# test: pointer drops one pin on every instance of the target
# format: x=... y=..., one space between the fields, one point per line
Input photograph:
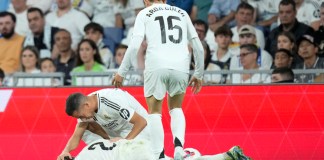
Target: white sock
x=157 y=134
x=178 y=127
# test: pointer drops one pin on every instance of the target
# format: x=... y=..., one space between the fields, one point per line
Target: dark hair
x=94 y=26
x=34 y=9
x=2 y=75
x=121 y=46
x=285 y=51
x=36 y=53
x=251 y=47
x=286 y=73
x=73 y=102
x=41 y=61
x=223 y=30
x=93 y=45
x=288 y=2
x=245 y=5
x=201 y=22
x=291 y=38
x=5 y=13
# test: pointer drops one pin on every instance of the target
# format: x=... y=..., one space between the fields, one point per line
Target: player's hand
x=64 y=154
x=117 y=81
x=196 y=84
x=115 y=139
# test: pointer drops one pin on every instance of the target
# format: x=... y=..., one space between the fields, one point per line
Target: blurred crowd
x=70 y=36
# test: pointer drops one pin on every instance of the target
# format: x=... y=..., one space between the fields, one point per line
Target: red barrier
x=268 y=122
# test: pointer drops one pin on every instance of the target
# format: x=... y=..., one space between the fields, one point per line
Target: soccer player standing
x=167 y=30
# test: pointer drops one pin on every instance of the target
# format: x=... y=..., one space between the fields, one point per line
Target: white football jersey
x=115 y=109
x=120 y=150
x=167 y=30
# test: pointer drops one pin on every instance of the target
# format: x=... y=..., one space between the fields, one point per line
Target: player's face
x=84 y=112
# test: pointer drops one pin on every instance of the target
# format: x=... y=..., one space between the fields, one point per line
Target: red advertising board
x=268 y=122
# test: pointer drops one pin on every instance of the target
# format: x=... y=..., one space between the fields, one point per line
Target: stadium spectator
x=266 y=14
x=282 y=75
x=286 y=40
x=95 y=32
x=318 y=26
x=164 y=69
x=307 y=49
x=29 y=60
x=41 y=35
x=68 y=18
x=200 y=10
x=289 y=23
x=222 y=12
x=119 y=54
x=248 y=59
x=10 y=44
x=283 y=58
x=201 y=28
x=47 y=65
x=88 y=58
x=126 y=12
x=102 y=10
x=247 y=35
x=244 y=16
x=66 y=56
x=19 y=9
x=44 y=5
x=221 y=57
x=305 y=12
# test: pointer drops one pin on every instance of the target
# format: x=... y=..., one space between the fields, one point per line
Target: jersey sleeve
x=192 y=33
x=139 y=26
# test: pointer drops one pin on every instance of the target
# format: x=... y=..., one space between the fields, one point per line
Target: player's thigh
x=155 y=83
x=177 y=83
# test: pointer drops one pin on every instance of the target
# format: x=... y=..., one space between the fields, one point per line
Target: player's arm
x=74 y=140
x=139 y=124
x=132 y=50
x=94 y=127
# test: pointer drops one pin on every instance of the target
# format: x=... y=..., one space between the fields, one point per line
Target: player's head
x=191 y=153
x=78 y=106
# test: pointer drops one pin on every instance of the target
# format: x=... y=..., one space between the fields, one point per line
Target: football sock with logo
x=157 y=134
x=178 y=126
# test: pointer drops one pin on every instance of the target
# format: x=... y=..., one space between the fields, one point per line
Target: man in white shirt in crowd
x=68 y=18
x=244 y=16
x=247 y=35
x=167 y=30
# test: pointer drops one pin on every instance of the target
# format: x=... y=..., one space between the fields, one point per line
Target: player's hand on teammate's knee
x=117 y=81
x=64 y=154
x=115 y=139
x=196 y=85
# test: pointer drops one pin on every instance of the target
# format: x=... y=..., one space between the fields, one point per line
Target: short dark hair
x=5 y=13
x=223 y=30
x=34 y=9
x=46 y=59
x=288 y=2
x=284 y=51
x=245 y=5
x=252 y=48
x=286 y=73
x=73 y=102
x=201 y=22
x=2 y=74
x=94 y=26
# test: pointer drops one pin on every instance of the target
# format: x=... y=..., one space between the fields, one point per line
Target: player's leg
x=177 y=85
x=235 y=153
x=154 y=91
x=155 y=126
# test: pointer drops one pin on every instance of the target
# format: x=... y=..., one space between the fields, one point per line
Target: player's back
x=167 y=30
x=99 y=150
